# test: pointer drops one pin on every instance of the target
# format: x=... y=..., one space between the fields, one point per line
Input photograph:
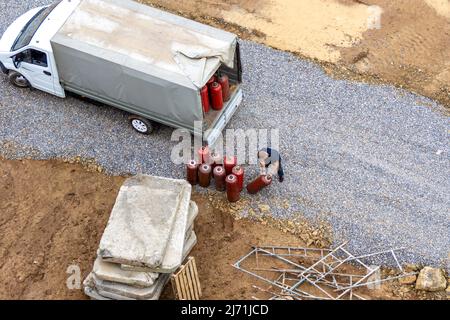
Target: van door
x=35 y=66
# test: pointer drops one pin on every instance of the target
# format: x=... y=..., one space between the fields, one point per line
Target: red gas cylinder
x=229 y=163
x=203 y=155
x=219 y=178
x=215 y=159
x=238 y=171
x=215 y=92
x=205 y=98
x=259 y=183
x=233 y=193
x=192 y=172
x=204 y=175
x=211 y=81
x=225 y=84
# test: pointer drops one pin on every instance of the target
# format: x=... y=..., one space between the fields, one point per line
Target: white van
x=145 y=61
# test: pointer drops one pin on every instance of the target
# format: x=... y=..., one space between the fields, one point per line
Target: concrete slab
x=189 y=245
x=173 y=257
x=113 y=296
x=148 y=219
x=119 y=291
x=188 y=233
x=174 y=252
x=93 y=294
x=88 y=282
x=112 y=272
x=193 y=213
x=89 y=289
x=99 y=289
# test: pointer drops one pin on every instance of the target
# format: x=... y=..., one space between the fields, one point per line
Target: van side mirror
x=17 y=59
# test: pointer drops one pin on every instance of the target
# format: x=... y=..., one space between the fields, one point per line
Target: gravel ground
x=371 y=160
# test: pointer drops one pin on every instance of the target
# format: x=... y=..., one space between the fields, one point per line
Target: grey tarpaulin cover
x=116 y=48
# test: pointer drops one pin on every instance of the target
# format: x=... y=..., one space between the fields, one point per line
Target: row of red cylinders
x=227 y=175
x=215 y=93
x=227 y=169
x=224 y=180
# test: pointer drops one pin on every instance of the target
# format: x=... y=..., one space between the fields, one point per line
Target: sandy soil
x=52 y=215
x=441 y=6
x=403 y=42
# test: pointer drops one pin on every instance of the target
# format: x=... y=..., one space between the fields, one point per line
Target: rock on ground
x=408 y=280
x=431 y=279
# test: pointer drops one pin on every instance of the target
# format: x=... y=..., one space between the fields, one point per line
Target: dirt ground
x=402 y=42
x=52 y=215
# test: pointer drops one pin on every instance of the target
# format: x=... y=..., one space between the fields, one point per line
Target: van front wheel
x=18 y=80
x=141 y=125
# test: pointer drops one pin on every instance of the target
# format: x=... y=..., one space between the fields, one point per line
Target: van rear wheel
x=141 y=125
x=18 y=80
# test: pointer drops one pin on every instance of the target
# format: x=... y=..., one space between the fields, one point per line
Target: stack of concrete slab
x=149 y=234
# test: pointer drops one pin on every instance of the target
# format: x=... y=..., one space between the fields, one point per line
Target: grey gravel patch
x=372 y=160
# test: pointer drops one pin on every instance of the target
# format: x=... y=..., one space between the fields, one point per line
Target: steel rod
x=358 y=282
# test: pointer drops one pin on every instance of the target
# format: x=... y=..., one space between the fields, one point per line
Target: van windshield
x=31 y=27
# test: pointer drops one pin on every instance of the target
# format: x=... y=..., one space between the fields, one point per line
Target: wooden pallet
x=185 y=282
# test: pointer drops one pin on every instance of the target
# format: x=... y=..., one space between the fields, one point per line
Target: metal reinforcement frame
x=315 y=273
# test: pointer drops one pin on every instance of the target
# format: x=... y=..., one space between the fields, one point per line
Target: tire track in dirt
x=407 y=50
